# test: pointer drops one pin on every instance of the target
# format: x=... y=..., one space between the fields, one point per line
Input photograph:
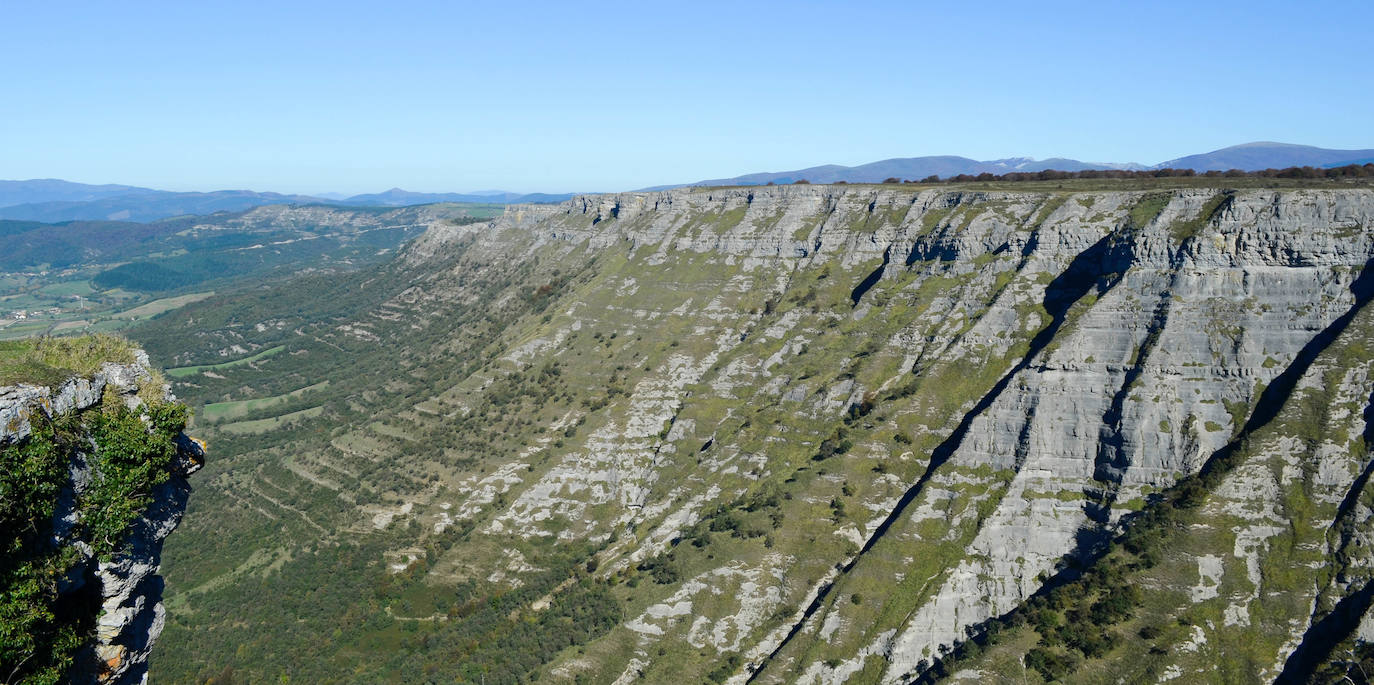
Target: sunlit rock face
x=125 y=591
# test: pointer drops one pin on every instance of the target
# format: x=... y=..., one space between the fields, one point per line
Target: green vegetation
x=301 y=363
x=220 y=412
x=50 y=361
x=40 y=630
x=162 y=306
x=126 y=464
x=183 y=371
x=271 y=423
x=1147 y=208
x=462 y=636
x=37 y=636
x=1183 y=230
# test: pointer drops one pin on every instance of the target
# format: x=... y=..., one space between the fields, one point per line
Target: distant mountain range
x=52 y=200
x=1254 y=156
x=1247 y=157
x=401 y=198
x=139 y=204
x=53 y=190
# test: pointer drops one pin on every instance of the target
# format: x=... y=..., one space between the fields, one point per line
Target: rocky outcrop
x=126 y=589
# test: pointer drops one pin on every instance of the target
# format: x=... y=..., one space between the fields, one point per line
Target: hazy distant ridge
x=148 y=205
x=1247 y=157
x=1255 y=156
x=397 y=197
x=55 y=190
x=53 y=200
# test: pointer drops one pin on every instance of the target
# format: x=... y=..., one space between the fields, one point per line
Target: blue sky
x=452 y=96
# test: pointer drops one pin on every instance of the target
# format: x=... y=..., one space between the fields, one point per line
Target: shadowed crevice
x=872 y=279
x=1322 y=637
x=1352 y=495
x=921 y=249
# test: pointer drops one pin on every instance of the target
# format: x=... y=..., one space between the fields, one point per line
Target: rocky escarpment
x=829 y=434
x=1124 y=338
x=87 y=575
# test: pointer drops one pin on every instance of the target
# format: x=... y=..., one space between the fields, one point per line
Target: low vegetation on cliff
x=50 y=361
x=69 y=491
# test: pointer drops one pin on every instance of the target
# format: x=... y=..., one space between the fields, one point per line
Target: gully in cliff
x=93 y=467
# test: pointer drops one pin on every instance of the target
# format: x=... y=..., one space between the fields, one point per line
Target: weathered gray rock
x=131 y=613
x=1136 y=389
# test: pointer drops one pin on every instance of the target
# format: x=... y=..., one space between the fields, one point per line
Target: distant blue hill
x=1265 y=155
x=54 y=190
x=148 y=206
x=52 y=200
x=1247 y=157
x=397 y=198
x=910 y=168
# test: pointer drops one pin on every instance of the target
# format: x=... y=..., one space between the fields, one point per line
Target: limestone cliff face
x=127 y=588
x=1129 y=334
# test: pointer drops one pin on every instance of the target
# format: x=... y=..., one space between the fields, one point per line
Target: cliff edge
x=92 y=480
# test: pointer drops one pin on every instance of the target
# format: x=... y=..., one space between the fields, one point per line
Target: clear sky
x=565 y=96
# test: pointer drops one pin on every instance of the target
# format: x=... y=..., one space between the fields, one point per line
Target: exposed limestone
x=1137 y=387
x=131 y=615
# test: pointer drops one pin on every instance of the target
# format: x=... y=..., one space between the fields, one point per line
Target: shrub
x=1050 y=665
x=727 y=666
x=661 y=569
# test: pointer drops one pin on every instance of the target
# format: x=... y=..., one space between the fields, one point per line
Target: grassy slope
x=51 y=361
